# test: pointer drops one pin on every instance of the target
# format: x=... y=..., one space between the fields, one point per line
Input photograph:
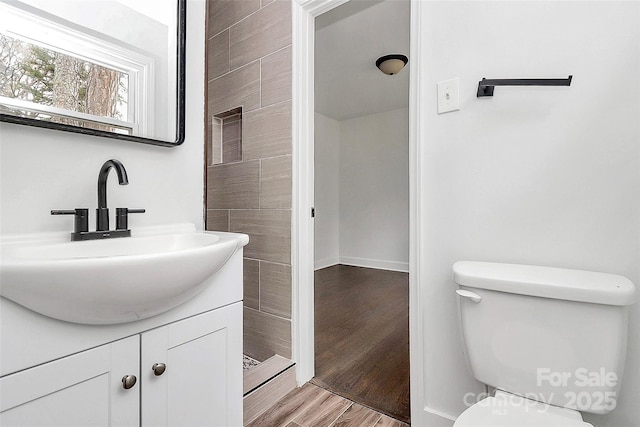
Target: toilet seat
x=509 y=410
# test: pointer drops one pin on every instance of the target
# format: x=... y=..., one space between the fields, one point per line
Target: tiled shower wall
x=249 y=66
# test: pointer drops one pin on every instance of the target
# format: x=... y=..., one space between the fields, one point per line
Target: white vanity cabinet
x=187 y=360
x=188 y=373
x=83 y=389
x=202 y=383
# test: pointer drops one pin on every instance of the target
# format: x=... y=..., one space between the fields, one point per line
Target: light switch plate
x=448 y=96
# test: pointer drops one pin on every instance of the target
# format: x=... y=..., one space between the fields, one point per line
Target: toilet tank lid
x=546 y=282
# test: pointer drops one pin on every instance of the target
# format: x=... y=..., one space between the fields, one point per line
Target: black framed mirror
x=109 y=68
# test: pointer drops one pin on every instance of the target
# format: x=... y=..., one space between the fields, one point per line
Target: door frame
x=304 y=13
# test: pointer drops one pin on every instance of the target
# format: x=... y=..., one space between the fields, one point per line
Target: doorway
x=362 y=337
x=361 y=192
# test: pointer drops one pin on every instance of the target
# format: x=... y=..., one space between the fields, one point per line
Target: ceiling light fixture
x=391 y=64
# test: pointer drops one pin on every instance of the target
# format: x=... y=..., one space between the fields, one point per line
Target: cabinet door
x=82 y=390
x=202 y=383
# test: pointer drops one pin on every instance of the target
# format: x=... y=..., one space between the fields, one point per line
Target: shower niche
x=226 y=137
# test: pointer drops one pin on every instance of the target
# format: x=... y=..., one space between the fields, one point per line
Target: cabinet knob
x=158 y=369
x=128 y=381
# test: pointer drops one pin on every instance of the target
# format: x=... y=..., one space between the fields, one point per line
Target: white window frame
x=40 y=31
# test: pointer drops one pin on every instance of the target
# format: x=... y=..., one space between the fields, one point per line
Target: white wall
x=374 y=190
x=326 y=182
x=45 y=169
x=362 y=191
x=547 y=176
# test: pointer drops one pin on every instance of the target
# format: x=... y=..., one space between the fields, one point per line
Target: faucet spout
x=102 y=217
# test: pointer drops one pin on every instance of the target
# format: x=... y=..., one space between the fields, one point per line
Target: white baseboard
x=375 y=263
x=327 y=262
x=363 y=262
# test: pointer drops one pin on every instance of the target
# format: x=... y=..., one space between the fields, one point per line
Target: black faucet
x=80 y=230
x=102 y=213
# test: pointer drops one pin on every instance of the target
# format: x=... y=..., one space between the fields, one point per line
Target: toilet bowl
x=509 y=410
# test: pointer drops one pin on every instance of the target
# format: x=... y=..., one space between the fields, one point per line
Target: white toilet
x=552 y=342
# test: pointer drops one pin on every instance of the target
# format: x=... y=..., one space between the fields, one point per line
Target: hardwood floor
x=362 y=337
x=311 y=405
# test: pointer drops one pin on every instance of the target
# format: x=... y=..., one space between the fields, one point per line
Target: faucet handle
x=122 y=217
x=81 y=220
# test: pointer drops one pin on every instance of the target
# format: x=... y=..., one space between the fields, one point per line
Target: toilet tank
x=552 y=335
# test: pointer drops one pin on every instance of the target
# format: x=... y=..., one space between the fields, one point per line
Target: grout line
x=260 y=80
x=277 y=51
x=249 y=15
x=260 y=185
x=275 y=157
x=275 y=104
x=237 y=22
x=233 y=71
x=268 y=262
x=232 y=163
x=290 y=45
x=251 y=160
x=258 y=209
x=268 y=314
x=219 y=32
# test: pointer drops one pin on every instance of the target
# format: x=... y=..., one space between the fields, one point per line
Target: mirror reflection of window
x=38 y=76
x=58 y=71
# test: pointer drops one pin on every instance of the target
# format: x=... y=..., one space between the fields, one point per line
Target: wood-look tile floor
x=362 y=337
x=311 y=405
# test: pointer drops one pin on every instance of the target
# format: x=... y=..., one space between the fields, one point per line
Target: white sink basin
x=114 y=280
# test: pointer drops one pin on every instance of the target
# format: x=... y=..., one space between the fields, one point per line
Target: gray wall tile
x=251 y=283
x=269 y=233
x=267 y=132
x=275 y=289
x=276 y=77
x=275 y=183
x=266 y=335
x=224 y=13
x=249 y=66
x=218 y=55
x=239 y=88
x=217 y=220
x=234 y=185
x=260 y=34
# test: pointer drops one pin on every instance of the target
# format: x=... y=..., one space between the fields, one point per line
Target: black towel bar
x=486 y=86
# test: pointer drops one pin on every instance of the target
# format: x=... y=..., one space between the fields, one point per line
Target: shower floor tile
x=248 y=363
